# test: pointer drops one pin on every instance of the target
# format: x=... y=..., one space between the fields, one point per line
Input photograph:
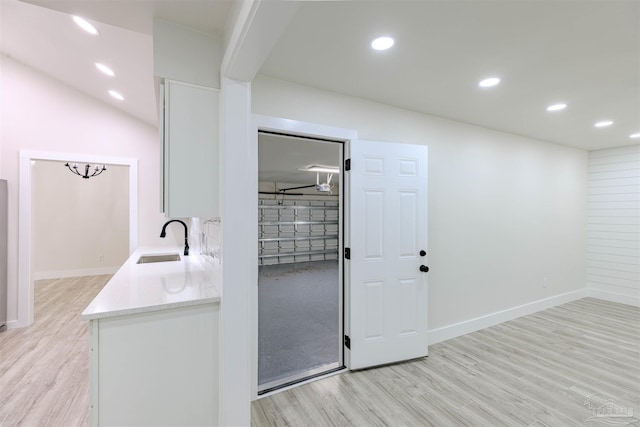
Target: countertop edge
x=148 y=309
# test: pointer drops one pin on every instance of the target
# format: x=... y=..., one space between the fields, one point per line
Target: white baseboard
x=633 y=300
x=74 y=273
x=13 y=324
x=462 y=328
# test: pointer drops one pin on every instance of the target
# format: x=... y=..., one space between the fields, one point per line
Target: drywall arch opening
x=25 y=209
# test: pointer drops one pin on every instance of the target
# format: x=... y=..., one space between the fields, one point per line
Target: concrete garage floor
x=298 y=318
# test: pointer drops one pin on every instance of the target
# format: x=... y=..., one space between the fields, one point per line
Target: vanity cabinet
x=155 y=368
x=153 y=343
x=190 y=159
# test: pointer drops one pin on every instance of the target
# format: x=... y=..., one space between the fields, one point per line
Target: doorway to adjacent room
x=300 y=286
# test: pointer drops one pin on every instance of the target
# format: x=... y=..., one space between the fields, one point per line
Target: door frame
x=25 y=274
x=304 y=129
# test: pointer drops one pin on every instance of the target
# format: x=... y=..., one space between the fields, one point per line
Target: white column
x=239 y=190
x=255 y=28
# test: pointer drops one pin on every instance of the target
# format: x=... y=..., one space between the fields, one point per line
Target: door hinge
x=347 y=165
x=347 y=342
x=347 y=253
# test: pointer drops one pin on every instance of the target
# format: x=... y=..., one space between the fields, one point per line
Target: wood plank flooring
x=534 y=371
x=44 y=378
x=538 y=370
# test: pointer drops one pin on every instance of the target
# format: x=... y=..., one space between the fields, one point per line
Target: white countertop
x=139 y=288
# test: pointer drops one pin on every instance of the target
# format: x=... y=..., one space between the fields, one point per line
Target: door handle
x=424 y=268
x=423 y=252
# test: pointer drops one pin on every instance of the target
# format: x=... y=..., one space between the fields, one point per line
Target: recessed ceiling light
x=489 y=82
x=382 y=43
x=116 y=95
x=85 y=25
x=108 y=71
x=634 y=135
x=603 y=124
x=556 y=107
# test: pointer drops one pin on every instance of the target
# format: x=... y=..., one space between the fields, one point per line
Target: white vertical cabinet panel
x=613 y=231
x=156 y=368
x=94 y=415
x=191 y=158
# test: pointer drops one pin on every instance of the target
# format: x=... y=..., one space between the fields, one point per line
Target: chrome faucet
x=163 y=233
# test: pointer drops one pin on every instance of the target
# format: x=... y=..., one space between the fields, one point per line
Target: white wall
x=82 y=227
x=504 y=211
x=613 y=236
x=180 y=53
x=39 y=113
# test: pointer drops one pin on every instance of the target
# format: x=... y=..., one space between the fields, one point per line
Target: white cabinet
x=190 y=165
x=155 y=368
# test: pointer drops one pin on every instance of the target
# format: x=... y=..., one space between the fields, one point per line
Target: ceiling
x=584 y=53
x=47 y=39
x=280 y=159
x=50 y=42
x=207 y=16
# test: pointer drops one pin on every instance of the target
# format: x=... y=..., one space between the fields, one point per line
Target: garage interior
x=300 y=273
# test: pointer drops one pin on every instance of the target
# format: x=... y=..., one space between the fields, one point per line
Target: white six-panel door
x=388 y=229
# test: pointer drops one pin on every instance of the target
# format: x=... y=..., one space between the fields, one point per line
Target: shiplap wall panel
x=618 y=183
x=609 y=235
x=624 y=173
x=613 y=224
x=617 y=220
x=620 y=266
x=614 y=243
x=615 y=195
x=614 y=251
x=609 y=167
x=619 y=158
x=629 y=189
x=594 y=213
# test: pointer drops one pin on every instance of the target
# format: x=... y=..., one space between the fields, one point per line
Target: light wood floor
x=534 y=371
x=44 y=377
x=537 y=370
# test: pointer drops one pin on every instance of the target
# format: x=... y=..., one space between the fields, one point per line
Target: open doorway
x=25 y=209
x=81 y=228
x=300 y=286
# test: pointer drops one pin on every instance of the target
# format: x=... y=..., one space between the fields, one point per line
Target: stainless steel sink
x=146 y=259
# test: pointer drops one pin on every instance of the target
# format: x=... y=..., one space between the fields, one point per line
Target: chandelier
x=89 y=170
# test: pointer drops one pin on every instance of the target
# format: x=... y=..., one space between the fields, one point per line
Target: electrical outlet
x=545 y=281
